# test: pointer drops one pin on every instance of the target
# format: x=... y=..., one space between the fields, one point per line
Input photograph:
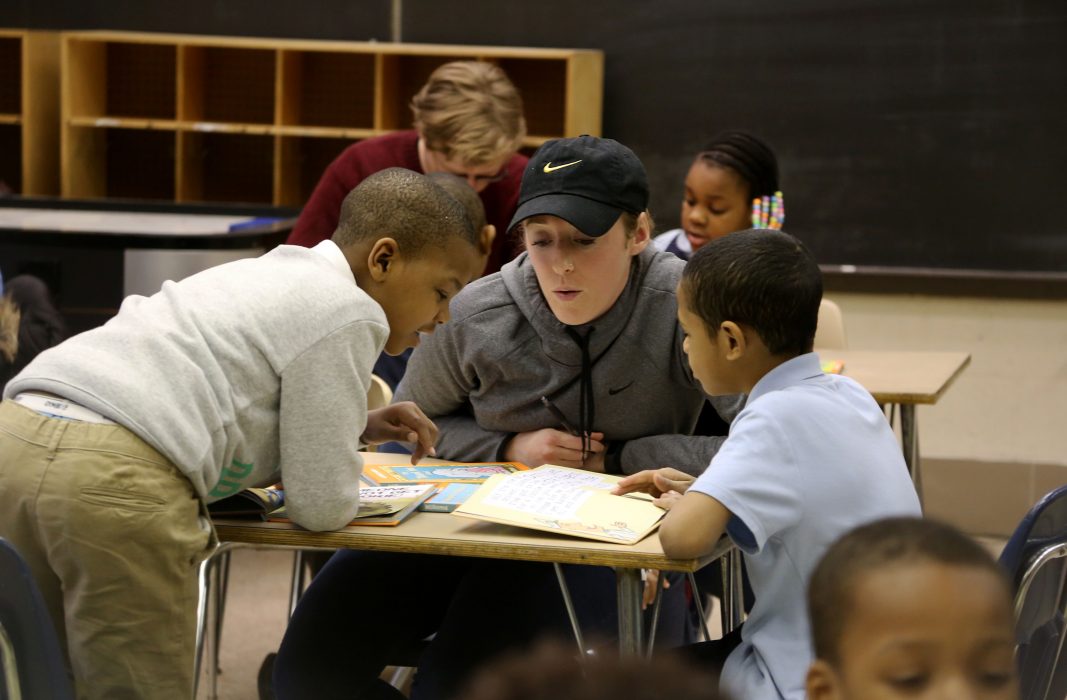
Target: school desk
x=92 y=254
x=450 y=535
x=903 y=379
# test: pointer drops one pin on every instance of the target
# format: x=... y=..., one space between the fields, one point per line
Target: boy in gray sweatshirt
x=112 y=443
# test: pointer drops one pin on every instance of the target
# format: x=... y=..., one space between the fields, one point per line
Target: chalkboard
x=910 y=133
x=917 y=133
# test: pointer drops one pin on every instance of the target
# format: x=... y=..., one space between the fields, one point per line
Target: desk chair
x=830 y=333
x=30 y=657
x=1036 y=560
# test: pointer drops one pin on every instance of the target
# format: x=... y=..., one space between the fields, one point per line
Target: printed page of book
x=567 y=501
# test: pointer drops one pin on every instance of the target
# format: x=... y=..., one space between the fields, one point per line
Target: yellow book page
x=565 y=501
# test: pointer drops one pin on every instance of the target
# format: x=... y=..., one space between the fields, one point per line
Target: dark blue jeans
x=365 y=607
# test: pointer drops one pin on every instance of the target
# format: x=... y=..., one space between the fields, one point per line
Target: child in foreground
x=552 y=670
x=112 y=443
x=809 y=457
x=909 y=608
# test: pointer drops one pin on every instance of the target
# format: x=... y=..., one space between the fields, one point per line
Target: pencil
x=558 y=414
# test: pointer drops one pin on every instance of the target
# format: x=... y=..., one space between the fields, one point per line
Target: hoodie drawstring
x=586 y=403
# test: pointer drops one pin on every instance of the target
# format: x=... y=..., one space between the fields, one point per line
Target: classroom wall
x=997 y=439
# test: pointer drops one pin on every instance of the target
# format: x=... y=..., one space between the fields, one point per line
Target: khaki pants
x=113 y=534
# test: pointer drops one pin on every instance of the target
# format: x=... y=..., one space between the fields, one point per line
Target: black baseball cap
x=587 y=181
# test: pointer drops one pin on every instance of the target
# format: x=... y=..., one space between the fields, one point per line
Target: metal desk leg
x=571 y=614
x=698 y=598
x=628 y=588
x=208 y=613
x=733 y=593
x=909 y=437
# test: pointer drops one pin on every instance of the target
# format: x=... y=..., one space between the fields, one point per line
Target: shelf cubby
x=225 y=167
x=10 y=74
x=258 y=120
x=121 y=163
x=540 y=83
x=118 y=80
x=302 y=161
x=11 y=163
x=228 y=84
x=327 y=89
x=29 y=111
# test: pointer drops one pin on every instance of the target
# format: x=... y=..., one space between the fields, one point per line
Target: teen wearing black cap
x=586 y=317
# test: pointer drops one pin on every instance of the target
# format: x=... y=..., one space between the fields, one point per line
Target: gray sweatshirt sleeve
x=690 y=454
x=438 y=382
x=322 y=415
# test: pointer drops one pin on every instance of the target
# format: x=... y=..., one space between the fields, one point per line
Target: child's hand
x=667 y=500
x=402 y=422
x=651 y=578
x=548 y=446
x=656 y=482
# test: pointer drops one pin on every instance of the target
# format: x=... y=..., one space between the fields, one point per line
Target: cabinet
x=29 y=112
x=199 y=118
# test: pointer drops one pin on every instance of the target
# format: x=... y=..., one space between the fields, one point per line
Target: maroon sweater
x=318 y=220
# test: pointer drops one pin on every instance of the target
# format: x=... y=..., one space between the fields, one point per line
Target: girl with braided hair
x=733 y=170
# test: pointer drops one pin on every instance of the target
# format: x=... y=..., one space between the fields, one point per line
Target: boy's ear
x=822 y=682
x=732 y=338
x=485 y=241
x=382 y=258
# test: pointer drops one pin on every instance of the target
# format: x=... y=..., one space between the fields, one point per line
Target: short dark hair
x=403 y=205
x=464 y=194
x=552 y=671
x=761 y=278
x=875 y=546
x=747 y=155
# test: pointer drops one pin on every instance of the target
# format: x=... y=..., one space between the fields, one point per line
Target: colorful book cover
x=449 y=497
x=446 y=473
x=833 y=366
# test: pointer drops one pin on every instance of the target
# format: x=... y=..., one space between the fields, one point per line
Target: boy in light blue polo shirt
x=810 y=456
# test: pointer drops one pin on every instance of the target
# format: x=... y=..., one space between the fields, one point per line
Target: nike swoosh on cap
x=624 y=387
x=549 y=168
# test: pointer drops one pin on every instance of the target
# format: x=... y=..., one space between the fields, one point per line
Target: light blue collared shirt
x=808 y=458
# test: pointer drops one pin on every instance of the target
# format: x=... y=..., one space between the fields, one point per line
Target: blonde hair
x=9 y=329
x=470 y=110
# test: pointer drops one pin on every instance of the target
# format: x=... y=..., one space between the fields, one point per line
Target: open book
x=567 y=501
x=381 y=505
x=248 y=503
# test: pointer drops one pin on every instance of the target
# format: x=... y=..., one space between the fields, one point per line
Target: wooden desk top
x=444 y=533
x=901 y=377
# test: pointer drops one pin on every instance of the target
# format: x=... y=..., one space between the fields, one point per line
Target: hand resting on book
x=666 y=485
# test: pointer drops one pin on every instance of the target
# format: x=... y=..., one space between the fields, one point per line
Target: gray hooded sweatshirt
x=481 y=376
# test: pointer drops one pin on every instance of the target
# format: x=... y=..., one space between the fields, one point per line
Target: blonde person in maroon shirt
x=468 y=122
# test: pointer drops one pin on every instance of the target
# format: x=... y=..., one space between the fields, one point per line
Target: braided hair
x=747 y=155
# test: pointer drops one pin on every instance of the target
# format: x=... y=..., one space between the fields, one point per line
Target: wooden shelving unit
x=29 y=111
x=198 y=118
